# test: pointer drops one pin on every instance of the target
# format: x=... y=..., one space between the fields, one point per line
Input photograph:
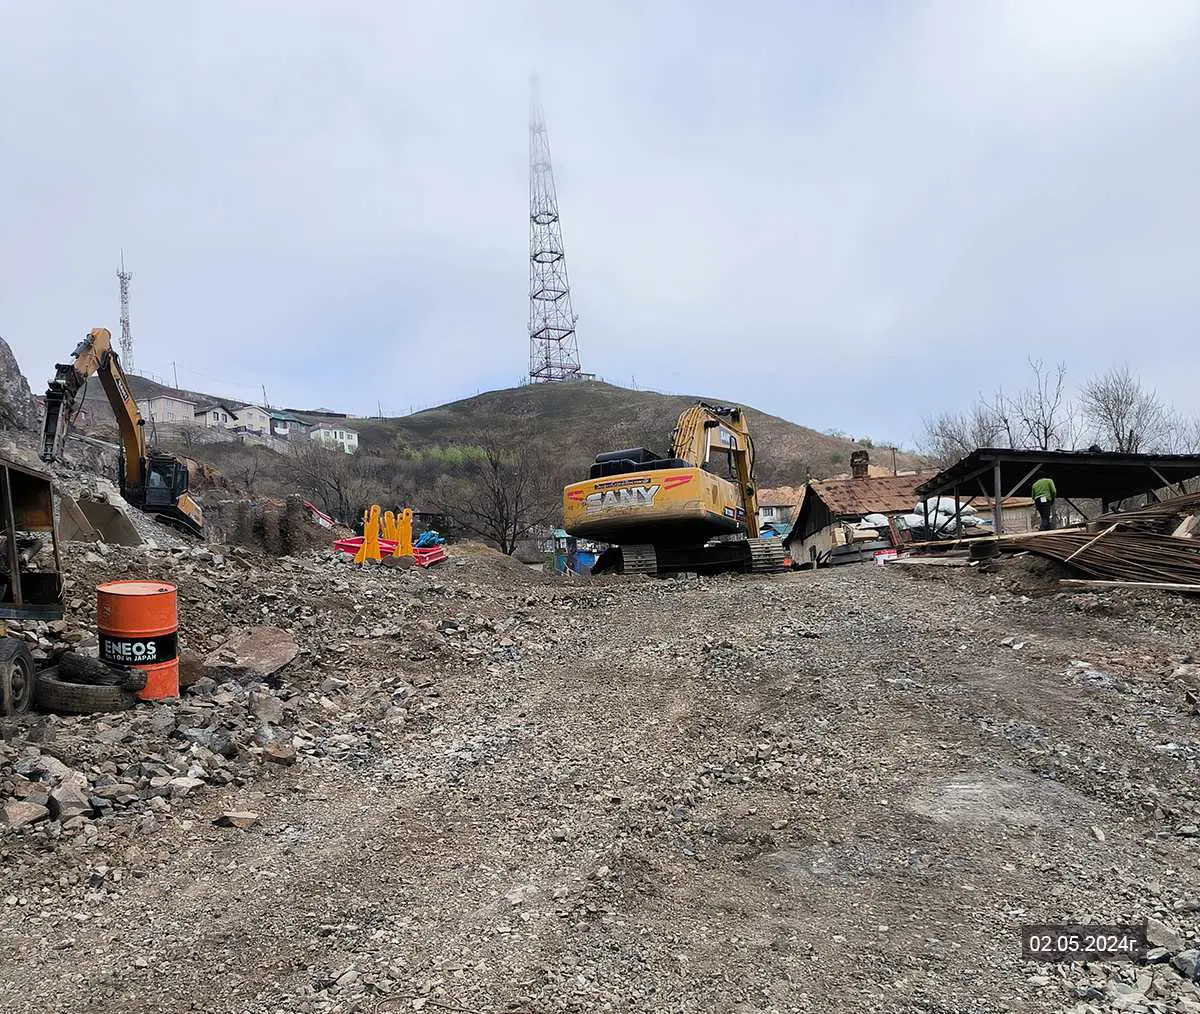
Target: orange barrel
x=138 y=625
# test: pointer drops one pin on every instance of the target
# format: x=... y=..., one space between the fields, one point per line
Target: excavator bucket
x=110 y=523
x=73 y=525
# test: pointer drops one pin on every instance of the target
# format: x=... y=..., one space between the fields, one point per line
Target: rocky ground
x=480 y=789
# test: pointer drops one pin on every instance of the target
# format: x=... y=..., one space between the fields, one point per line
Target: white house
x=270 y=422
x=333 y=435
x=778 y=506
x=166 y=409
x=217 y=416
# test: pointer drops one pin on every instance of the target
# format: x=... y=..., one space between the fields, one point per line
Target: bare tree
x=1041 y=416
x=1123 y=415
x=502 y=494
x=1044 y=414
x=340 y=484
x=1181 y=434
x=245 y=474
x=953 y=435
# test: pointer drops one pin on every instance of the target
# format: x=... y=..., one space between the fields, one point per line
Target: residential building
x=253 y=419
x=778 y=506
x=272 y=422
x=216 y=416
x=165 y=408
x=287 y=425
x=830 y=505
x=335 y=435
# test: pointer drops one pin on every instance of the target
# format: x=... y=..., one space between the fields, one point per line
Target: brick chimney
x=860 y=464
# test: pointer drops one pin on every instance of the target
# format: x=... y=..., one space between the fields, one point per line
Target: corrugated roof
x=280 y=416
x=883 y=494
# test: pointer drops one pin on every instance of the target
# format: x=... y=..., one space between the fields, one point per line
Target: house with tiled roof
x=777 y=506
x=828 y=506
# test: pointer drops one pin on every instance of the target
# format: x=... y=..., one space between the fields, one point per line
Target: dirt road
x=832 y=792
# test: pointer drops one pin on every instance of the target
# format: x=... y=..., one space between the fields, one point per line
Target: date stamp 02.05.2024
x=1056 y=943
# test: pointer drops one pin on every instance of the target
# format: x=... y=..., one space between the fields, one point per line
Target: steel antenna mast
x=553 y=346
x=123 y=277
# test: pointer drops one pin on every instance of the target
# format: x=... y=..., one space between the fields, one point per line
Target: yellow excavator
x=694 y=510
x=155 y=483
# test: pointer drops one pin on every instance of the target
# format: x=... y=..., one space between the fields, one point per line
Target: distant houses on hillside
x=256 y=420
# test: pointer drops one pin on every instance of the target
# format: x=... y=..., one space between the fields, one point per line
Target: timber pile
x=1152 y=545
x=1166 y=517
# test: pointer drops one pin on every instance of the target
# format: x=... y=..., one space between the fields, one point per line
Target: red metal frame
x=422 y=557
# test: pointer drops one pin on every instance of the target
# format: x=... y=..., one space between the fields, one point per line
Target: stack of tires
x=79 y=685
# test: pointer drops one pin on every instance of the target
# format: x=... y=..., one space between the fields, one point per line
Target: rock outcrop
x=18 y=410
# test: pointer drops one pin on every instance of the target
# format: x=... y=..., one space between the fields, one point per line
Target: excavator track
x=767 y=556
x=745 y=556
x=639 y=560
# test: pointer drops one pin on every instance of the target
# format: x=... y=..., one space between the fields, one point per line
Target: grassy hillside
x=585 y=418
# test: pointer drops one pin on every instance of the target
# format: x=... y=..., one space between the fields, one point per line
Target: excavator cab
x=166 y=480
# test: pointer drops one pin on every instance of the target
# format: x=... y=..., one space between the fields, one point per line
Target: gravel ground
x=841 y=791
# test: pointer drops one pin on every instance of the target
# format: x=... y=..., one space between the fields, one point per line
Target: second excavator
x=155 y=483
x=692 y=510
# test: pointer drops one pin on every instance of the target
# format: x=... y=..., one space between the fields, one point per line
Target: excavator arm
x=706 y=432
x=94 y=356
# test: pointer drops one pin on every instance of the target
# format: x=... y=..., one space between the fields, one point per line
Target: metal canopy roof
x=1101 y=475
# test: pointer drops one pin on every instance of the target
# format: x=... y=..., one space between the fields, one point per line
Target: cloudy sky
x=846 y=214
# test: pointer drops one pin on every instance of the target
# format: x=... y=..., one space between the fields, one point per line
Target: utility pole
x=123 y=278
x=175 y=370
x=266 y=404
x=553 y=346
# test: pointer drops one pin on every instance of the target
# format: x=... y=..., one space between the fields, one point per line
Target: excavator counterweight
x=155 y=483
x=692 y=510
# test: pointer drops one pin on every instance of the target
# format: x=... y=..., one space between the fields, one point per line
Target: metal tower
x=553 y=347
x=123 y=277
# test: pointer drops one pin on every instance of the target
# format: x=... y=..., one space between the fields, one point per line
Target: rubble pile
x=259 y=641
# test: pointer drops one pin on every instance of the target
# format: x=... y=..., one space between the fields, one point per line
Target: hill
x=585 y=418
x=578 y=419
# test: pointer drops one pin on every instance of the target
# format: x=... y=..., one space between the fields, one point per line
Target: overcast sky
x=846 y=214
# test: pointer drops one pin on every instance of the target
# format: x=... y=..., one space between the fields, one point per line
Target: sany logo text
x=638 y=496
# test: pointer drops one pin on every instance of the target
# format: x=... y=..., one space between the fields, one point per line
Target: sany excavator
x=695 y=510
x=155 y=483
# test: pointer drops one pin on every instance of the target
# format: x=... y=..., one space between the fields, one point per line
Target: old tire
x=57 y=693
x=80 y=669
x=18 y=677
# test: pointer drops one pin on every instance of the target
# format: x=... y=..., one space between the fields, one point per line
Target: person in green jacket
x=1044 y=495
